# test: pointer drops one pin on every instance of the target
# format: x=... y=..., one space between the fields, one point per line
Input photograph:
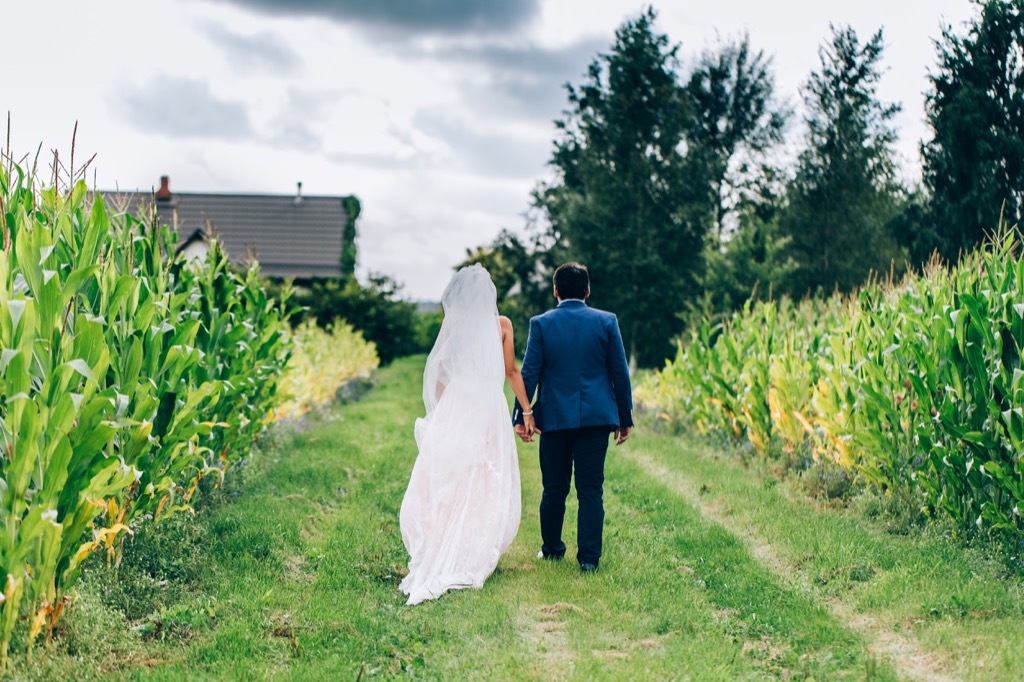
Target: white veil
x=468 y=345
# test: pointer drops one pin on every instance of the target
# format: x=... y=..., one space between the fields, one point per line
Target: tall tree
x=736 y=124
x=974 y=163
x=625 y=200
x=754 y=261
x=844 y=195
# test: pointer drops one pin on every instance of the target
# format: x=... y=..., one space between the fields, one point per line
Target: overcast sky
x=437 y=114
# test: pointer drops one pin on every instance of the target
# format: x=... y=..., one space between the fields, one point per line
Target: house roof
x=290 y=235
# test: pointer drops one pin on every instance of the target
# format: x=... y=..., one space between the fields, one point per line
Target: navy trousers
x=560 y=452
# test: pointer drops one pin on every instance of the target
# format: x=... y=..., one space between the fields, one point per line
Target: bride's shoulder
x=504 y=322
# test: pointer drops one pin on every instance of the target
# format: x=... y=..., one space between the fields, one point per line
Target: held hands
x=527 y=429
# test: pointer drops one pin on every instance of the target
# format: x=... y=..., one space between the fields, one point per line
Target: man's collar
x=571 y=301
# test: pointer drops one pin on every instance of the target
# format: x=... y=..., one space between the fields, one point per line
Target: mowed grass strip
x=957 y=605
x=778 y=626
x=308 y=559
x=306 y=563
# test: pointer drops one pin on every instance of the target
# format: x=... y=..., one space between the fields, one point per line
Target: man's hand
x=622 y=435
x=523 y=433
x=527 y=430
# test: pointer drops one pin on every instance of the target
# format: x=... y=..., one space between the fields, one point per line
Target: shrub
x=321 y=364
x=375 y=309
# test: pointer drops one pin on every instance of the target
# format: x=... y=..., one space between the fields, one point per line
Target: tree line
x=671 y=180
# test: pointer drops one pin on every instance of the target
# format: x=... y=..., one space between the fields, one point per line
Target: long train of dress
x=462 y=508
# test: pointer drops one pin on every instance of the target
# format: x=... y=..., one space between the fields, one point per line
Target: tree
x=736 y=124
x=753 y=262
x=974 y=163
x=913 y=227
x=844 y=195
x=626 y=201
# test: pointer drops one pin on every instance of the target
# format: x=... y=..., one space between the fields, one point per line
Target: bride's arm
x=512 y=374
x=442 y=382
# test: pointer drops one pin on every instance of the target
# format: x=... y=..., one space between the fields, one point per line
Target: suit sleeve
x=533 y=361
x=619 y=372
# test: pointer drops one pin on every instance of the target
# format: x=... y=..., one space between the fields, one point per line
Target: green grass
x=957 y=605
x=709 y=573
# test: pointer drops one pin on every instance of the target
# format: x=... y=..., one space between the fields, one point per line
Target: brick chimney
x=164 y=193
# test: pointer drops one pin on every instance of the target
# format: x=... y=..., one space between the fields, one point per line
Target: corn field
x=916 y=386
x=127 y=376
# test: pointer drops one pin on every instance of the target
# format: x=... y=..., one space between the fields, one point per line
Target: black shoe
x=550 y=557
x=588 y=567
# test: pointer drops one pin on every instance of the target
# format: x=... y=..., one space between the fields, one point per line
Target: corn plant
x=59 y=426
x=126 y=376
x=909 y=386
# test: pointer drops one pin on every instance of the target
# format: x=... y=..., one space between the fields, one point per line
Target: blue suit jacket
x=576 y=362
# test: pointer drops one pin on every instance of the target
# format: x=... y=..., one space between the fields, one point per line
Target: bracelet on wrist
x=528 y=414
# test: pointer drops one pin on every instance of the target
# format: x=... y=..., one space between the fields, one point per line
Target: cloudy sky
x=437 y=114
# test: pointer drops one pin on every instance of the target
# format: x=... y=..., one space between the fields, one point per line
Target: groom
x=575 y=360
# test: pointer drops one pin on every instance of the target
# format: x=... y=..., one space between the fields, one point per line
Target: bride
x=461 y=509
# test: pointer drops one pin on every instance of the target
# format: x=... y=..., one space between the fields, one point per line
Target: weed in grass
x=827 y=481
x=900 y=511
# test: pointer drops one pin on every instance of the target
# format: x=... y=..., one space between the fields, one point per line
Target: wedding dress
x=462 y=508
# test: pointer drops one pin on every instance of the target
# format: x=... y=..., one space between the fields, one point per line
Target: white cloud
x=181 y=108
x=440 y=121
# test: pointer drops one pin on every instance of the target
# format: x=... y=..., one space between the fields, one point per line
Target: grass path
x=935 y=609
x=709 y=574
x=910 y=660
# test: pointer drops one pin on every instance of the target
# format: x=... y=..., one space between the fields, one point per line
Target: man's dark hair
x=572 y=281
